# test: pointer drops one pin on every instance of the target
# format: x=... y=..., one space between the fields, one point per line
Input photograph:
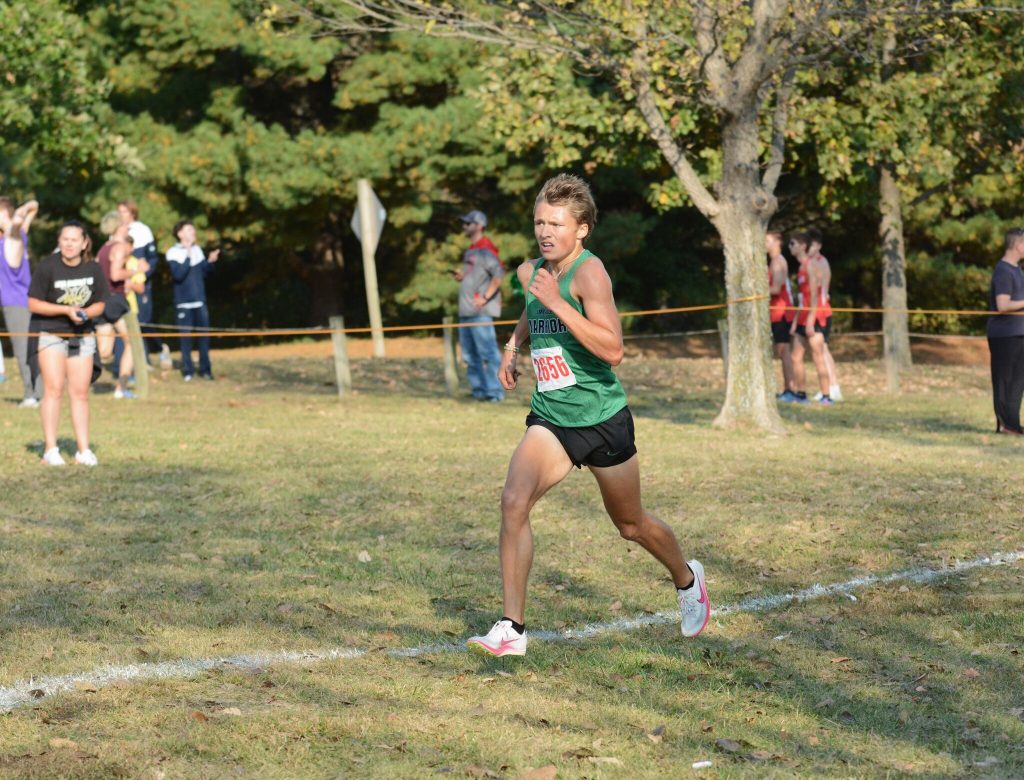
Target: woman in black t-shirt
x=68 y=291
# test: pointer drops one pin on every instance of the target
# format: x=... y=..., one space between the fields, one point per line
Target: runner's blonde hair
x=574 y=194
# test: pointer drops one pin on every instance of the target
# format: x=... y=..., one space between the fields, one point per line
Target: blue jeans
x=482 y=356
x=194 y=319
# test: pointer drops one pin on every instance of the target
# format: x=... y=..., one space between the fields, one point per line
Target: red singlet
x=804 y=285
x=780 y=303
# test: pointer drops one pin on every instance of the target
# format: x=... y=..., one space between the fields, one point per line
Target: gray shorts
x=71 y=346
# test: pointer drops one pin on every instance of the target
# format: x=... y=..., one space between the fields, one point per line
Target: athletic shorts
x=116 y=308
x=606 y=444
x=824 y=330
x=780 y=332
x=71 y=346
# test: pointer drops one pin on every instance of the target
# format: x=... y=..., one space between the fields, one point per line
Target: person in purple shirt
x=15 y=278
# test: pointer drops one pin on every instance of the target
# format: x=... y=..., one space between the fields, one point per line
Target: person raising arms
x=579 y=414
x=15 y=278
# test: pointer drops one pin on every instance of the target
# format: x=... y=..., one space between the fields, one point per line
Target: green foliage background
x=258 y=128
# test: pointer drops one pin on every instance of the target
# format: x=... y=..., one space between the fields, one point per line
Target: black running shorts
x=780 y=332
x=606 y=444
x=825 y=330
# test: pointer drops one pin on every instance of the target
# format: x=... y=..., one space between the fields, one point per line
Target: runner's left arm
x=600 y=331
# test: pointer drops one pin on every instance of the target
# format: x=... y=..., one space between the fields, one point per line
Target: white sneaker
x=835 y=393
x=87 y=458
x=29 y=403
x=165 y=357
x=819 y=395
x=52 y=458
x=502 y=639
x=693 y=602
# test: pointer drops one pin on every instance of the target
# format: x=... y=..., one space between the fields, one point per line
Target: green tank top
x=575 y=388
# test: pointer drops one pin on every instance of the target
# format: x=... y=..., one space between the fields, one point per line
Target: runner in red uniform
x=814 y=319
x=814 y=252
x=780 y=309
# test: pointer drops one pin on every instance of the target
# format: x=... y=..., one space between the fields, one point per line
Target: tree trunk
x=895 y=330
x=741 y=223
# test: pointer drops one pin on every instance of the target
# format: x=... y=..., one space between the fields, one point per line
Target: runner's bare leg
x=538 y=464
x=620 y=489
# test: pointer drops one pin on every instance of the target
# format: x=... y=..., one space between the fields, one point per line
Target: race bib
x=551 y=370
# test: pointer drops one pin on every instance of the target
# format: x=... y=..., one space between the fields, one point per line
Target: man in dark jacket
x=189 y=267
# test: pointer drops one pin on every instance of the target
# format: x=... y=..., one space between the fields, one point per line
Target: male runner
x=814 y=320
x=815 y=239
x=578 y=412
x=780 y=309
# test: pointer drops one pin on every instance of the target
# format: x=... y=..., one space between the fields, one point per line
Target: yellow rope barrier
x=444 y=325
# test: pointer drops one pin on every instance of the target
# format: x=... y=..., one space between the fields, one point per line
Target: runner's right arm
x=508 y=374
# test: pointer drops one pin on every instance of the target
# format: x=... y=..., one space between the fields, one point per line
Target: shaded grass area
x=239 y=516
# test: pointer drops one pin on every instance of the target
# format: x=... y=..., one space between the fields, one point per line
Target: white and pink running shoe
x=693 y=602
x=502 y=639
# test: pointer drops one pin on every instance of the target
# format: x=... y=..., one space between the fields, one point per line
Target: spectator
x=144 y=248
x=115 y=258
x=813 y=321
x=1006 y=334
x=189 y=268
x=780 y=308
x=814 y=252
x=15 y=278
x=67 y=294
x=480 y=302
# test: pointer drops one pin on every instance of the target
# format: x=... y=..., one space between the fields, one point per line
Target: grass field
x=261 y=514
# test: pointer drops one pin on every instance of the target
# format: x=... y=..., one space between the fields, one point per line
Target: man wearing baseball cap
x=479 y=303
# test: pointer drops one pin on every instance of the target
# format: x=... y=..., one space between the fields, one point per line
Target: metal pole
x=138 y=348
x=342 y=375
x=451 y=375
x=369 y=265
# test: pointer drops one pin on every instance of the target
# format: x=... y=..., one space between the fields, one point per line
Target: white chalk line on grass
x=28 y=691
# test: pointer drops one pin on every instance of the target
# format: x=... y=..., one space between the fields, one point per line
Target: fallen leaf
x=327 y=608
x=705 y=726
x=58 y=743
x=656 y=735
x=972 y=673
x=583 y=752
x=364 y=556
x=230 y=711
x=841 y=660
x=88 y=687
x=824 y=703
x=813 y=740
x=612 y=760
x=728 y=745
x=762 y=755
x=197 y=715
